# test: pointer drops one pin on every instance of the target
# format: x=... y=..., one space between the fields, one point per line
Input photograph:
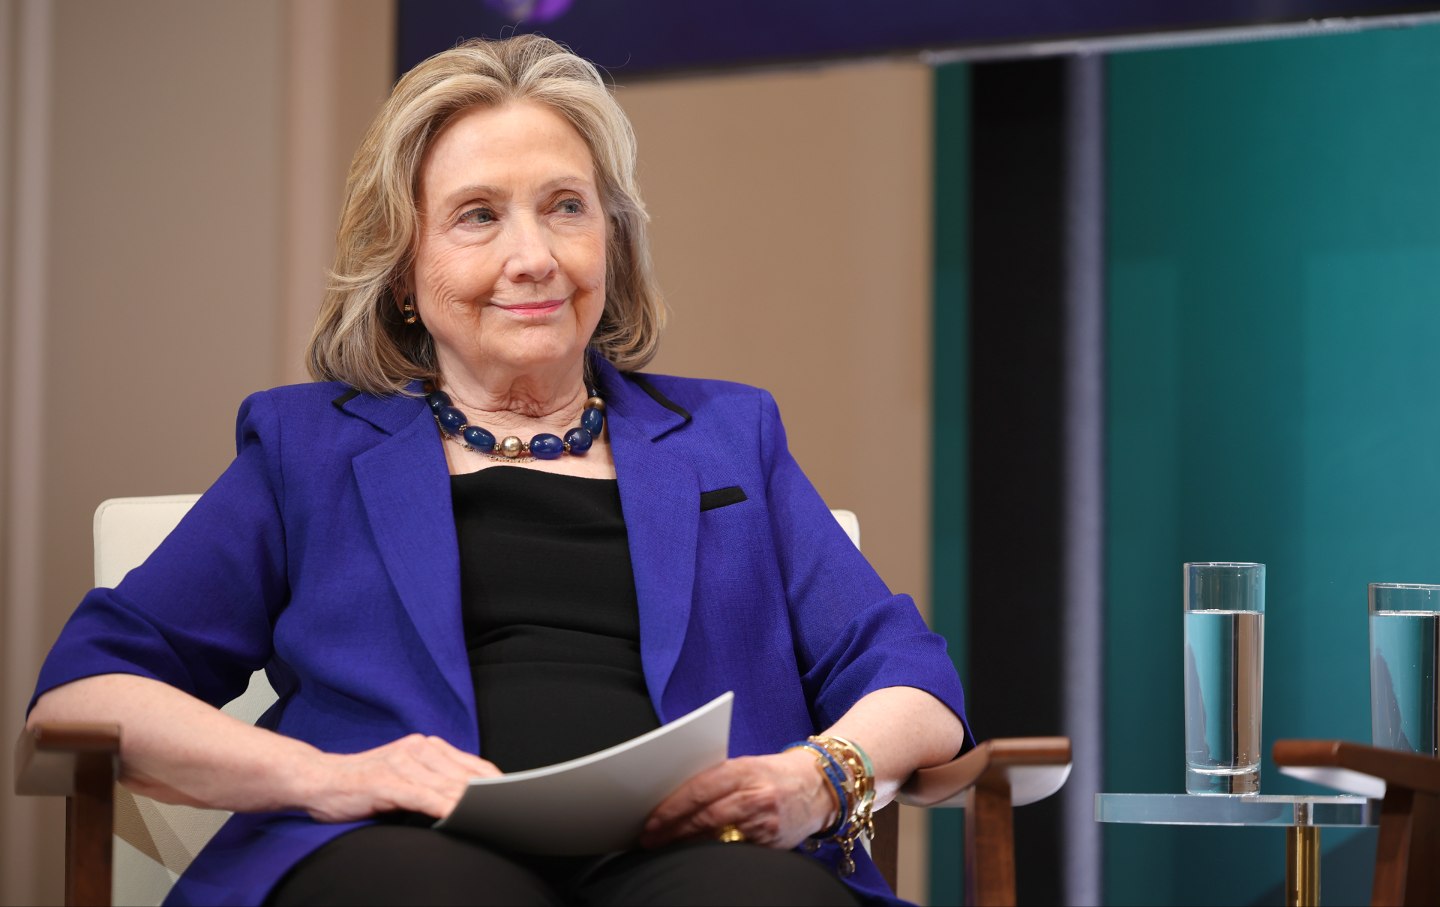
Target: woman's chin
x=536 y=354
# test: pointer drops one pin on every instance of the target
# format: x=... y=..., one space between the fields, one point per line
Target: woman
x=435 y=598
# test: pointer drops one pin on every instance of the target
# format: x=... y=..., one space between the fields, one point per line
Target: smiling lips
x=531 y=309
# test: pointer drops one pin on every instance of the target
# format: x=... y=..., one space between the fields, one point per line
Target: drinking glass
x=1404 y=683
x=1224 y=667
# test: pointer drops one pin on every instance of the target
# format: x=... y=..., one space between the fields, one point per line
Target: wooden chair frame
x=81 y=762
x=1407 y=854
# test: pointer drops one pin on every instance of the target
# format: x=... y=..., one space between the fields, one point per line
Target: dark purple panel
x=630 y=37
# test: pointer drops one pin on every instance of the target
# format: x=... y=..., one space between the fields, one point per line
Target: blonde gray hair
x=360 y=337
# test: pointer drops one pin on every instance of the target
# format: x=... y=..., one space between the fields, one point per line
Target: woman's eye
x=477 y=216
x=571 y=206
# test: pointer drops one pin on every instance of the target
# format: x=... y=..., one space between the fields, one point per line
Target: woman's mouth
x=535 y=309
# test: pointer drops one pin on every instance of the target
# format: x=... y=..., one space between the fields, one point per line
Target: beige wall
x=170 y=174
x=169 y=179
x=790 y=216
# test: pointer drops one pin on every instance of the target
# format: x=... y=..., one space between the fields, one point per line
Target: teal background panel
x=950 y=396
x=1273 y=328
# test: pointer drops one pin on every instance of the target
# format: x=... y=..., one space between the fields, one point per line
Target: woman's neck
x=513 y=401
x=523 y=405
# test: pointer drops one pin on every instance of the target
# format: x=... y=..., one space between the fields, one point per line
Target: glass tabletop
x=1234 y=809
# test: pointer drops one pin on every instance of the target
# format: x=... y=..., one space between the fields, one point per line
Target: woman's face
x=509 y=273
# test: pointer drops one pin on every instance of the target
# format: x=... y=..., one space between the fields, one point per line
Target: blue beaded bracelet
x=836 y=775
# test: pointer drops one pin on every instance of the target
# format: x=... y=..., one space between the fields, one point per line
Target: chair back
x=155 y=842
x=850 y=523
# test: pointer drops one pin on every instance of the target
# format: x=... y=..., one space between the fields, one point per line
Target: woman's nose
x=530 y=256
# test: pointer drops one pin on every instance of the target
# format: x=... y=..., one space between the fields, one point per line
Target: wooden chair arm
x=1406 y=872
x=1032 y=767
x=1336 y=763
x=988 y=782
x=54 y=759
x=79 y=762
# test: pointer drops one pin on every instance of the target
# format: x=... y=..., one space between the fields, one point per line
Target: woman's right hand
x=415 y=773
x=178 y=749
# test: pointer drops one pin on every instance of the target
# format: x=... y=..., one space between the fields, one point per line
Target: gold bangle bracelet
x=860 y=791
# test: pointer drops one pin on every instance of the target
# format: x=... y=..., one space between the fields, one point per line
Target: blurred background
x=1054 y=303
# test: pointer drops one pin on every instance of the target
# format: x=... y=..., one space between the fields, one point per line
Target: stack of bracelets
x=852 y=777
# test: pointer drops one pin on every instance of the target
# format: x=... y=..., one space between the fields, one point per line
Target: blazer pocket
x=721 y=497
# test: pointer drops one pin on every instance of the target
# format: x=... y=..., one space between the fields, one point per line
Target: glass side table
x=1301 y=817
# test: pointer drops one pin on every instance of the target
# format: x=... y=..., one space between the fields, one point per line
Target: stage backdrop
x=1274 y=319
x=637 y=37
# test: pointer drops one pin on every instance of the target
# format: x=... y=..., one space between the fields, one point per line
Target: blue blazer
x=326 y=554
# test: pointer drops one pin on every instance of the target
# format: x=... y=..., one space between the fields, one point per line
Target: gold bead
x=512 y=447
x=595 y=403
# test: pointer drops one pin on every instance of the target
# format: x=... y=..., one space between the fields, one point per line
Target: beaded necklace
x=456 y=426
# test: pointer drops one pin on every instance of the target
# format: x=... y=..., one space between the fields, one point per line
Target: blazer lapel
x=660 y=496
x=405 y=486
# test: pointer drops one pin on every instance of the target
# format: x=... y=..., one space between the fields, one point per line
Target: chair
x=129 y=849
x=1407 y=871
x=153 y=842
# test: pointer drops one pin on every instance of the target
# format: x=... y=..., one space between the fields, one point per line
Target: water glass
x=1404 y=683
x=1224 y=667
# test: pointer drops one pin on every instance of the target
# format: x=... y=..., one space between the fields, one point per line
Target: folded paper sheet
x=597 y=803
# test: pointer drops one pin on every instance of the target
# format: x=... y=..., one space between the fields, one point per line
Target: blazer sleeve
x=853 y=636
x=198 y=613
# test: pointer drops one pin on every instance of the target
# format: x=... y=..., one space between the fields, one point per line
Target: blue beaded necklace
x=456 y=426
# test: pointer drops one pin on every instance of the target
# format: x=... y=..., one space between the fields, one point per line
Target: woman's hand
x=776 y=801
x=415 y=773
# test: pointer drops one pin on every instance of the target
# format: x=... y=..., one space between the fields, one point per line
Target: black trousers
x=406 y=865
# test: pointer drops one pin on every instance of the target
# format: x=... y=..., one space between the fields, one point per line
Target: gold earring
x=409 y=309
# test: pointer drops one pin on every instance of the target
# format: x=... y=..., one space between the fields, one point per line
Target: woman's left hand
x=776 y=801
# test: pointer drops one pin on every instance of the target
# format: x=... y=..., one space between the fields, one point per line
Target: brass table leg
x=1302 y=866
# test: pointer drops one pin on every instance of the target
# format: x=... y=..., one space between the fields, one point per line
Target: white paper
x=597 y=803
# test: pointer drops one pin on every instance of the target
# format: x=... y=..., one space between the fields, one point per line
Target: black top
x=551 y=620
